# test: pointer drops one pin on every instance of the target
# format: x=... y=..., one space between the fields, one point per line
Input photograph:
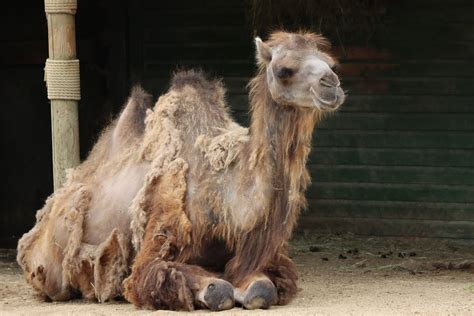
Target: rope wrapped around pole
x=60 y=6
x=63 y=79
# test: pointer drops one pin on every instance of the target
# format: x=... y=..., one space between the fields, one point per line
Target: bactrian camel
x=177 y=206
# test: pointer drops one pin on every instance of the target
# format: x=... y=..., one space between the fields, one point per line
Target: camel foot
x=218 y=295
x=260 y=294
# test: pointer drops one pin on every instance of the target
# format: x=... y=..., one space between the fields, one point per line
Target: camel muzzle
x=325 y=105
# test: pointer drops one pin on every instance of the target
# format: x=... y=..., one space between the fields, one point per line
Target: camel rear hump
x=131 y=121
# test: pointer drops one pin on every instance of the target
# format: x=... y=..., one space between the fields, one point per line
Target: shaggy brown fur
x=156 y=281
x=184 y=192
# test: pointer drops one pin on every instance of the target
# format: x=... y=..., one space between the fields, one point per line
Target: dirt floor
x=339 y=275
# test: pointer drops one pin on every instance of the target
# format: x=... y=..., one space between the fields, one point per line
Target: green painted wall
x=399 y=158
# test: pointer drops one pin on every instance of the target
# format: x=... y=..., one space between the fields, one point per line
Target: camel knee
x=282 y=272
x=47 y=281
x=158 y=285
x=42 y=267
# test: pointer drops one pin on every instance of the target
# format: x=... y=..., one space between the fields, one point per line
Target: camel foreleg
x=158 y=284
x=160 y=278
x=160 y=281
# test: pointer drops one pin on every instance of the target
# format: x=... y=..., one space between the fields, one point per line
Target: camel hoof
x=219 y=296
x=260 y=294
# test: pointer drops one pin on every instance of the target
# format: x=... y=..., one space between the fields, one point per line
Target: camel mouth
x=324 y=105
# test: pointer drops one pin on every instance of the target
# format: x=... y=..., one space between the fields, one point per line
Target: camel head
x=299 y=71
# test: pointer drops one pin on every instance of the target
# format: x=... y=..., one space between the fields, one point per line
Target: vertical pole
x=60 y=15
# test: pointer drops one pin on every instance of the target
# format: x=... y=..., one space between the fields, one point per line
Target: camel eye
x=285 y=73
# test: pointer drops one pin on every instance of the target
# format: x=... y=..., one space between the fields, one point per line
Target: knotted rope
x=62 y=79
x=60 y=6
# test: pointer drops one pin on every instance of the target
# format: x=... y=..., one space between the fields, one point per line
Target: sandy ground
x=338 y=276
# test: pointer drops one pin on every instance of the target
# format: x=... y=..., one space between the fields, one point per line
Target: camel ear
x=264 y=52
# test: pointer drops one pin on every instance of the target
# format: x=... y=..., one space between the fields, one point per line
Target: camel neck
x=280 y=136
x=276 y=176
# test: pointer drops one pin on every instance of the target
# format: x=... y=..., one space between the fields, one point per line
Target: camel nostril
x=325 y=82
x=329 y=81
